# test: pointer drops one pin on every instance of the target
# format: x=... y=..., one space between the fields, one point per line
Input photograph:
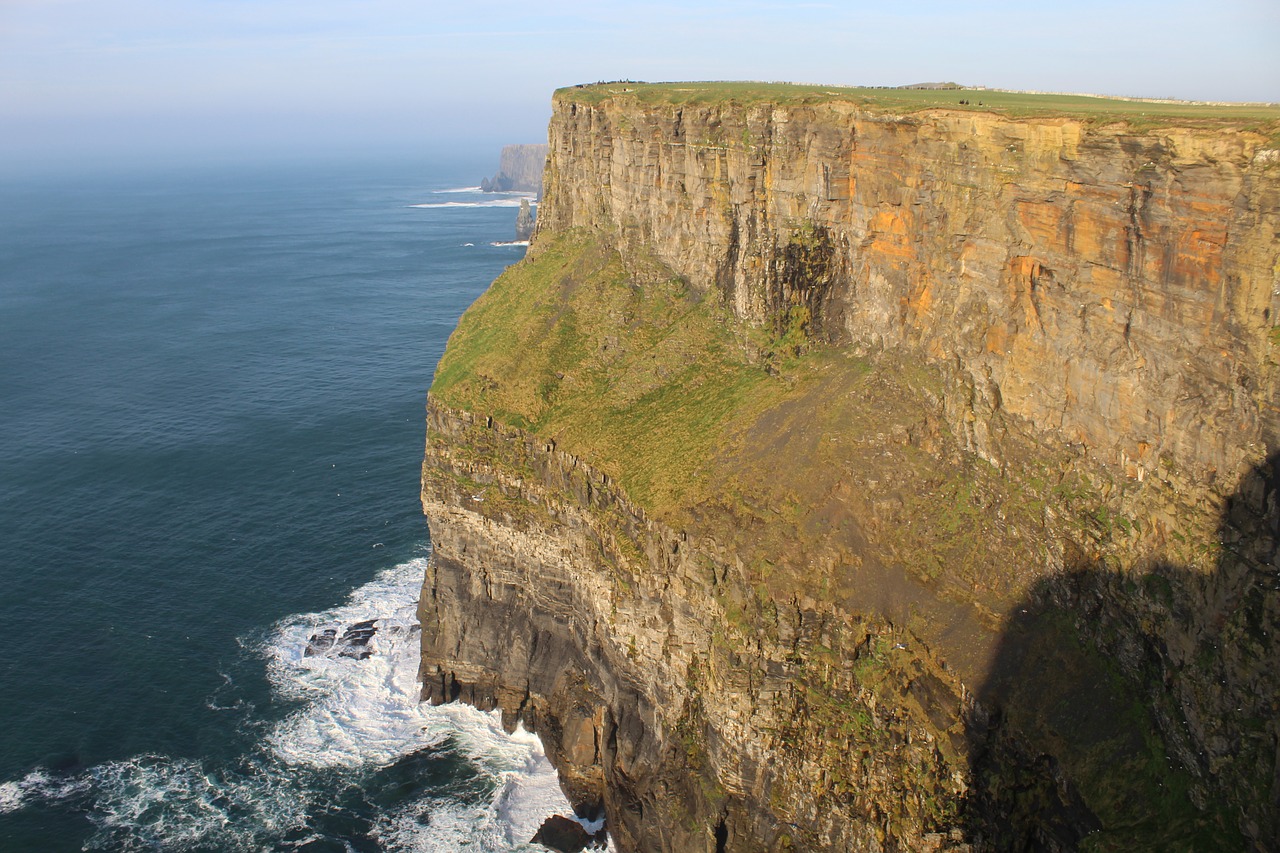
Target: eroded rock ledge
x=831 y=479
x=653 y=701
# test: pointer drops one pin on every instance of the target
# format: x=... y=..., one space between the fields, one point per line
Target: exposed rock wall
x=680 y=723
x=524 y=221
x=1089 y=309
x=1112 y=286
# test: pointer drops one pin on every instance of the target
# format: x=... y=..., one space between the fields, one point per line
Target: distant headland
x=519 y=169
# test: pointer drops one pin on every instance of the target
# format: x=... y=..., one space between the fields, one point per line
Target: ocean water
x=211 y=414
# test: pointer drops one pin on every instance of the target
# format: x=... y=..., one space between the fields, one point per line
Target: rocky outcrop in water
x=352 y=643
x=828 y=478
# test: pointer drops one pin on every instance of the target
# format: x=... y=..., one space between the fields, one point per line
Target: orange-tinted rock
x=1153 y=257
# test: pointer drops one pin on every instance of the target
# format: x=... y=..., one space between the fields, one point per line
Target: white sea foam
x=158 y=802
x=495 y=202
x=363 y=711
x=510 y=243
x=11 y=797
x=458 y=190
x=527 y=793
x=457 y=827
x=368 y=712
x=35 y=786
x=354 y=717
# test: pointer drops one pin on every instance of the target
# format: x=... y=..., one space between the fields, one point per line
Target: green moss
x=1159 y=588
x=484 y=497
x=870 y=664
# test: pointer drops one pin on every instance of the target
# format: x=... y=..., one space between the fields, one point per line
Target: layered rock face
x=1112 y=286
x=647 y=698
x=964 y=533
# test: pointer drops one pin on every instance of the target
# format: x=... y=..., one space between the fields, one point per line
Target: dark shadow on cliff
x=1140 y=711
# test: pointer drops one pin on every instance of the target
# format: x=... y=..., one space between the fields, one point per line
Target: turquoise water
x=211 y=413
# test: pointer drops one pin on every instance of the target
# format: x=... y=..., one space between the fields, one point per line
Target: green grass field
x=1012 y=104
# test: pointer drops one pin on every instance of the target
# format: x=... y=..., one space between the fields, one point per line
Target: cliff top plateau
x=1142 y=113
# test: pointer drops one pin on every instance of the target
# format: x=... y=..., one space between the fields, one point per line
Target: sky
x=104 y=79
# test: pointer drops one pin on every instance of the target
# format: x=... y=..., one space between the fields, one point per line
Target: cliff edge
x=845 y=469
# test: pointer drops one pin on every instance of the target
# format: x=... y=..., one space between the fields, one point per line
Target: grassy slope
x=641 y=380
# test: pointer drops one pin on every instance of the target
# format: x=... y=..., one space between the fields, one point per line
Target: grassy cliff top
x=1011 y=104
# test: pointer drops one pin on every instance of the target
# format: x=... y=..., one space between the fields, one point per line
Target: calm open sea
x=211 y=422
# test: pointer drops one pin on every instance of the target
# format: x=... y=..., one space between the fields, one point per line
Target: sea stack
x=524 y=221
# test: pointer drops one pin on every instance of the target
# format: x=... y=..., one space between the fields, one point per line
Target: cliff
x=842 y=472
x=519 y=169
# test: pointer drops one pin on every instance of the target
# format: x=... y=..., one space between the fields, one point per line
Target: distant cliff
x=519 y=169
x=841 y=472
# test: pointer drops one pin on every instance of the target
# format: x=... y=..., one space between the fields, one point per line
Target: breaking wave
x=496 y=202
x=356 y=756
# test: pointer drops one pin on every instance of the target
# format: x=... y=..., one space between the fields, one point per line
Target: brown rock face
x=646 y=703
x=987 y=561
x=1111 y=286
x=524 y=221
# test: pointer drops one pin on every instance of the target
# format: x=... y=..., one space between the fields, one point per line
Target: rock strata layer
x=827 y=478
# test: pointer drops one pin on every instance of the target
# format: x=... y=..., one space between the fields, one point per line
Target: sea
x=212 y=381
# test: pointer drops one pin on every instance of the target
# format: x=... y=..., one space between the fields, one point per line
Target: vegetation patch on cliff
x=814 y=464
x=831 y=477
x=640 y=378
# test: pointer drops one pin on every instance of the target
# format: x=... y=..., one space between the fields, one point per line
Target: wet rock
x=568 y=836
x=320 y=643
x=354 y=642
x=524 y=221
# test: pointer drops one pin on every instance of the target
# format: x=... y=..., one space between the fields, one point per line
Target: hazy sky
x=113 y=77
